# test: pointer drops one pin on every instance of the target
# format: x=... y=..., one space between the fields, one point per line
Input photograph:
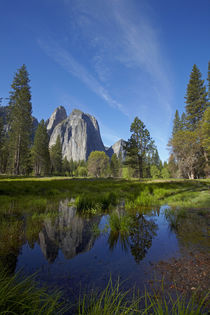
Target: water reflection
x=138 y=236
x=42 y=237
x=69 y=232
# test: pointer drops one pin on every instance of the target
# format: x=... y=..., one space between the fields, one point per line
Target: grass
x=22 y=296
x=185 y=193
x=113 y=300
x=95 y=202
x=119 y=223
x=19 y=295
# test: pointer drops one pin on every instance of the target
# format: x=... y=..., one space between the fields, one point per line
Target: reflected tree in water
x=138 y=238
x=141 y=235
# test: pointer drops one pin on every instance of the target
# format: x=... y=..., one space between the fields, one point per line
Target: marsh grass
x=22 y=296
x=95 y=203
x=119 y=223
x=114 y=300
x=110 y=301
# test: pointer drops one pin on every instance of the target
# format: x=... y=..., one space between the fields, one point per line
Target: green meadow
x=35 y=193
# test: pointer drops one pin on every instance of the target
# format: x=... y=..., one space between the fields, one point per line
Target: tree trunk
x=17 y=158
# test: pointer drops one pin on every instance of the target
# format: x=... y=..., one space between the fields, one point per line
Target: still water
x=77 y=253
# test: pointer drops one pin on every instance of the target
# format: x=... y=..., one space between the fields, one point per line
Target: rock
x=118 y=149
x=57 y=116
x=79 y=134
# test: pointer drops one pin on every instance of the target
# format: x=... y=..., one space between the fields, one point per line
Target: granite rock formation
x=79 y=134
x=57 y=116
x=118 y=148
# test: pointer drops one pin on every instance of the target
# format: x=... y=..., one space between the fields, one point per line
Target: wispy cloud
x=122 y=31
x=66 y=60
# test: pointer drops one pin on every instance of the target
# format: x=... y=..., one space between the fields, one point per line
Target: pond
x=76 y=252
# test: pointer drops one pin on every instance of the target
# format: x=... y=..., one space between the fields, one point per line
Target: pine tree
x=40 y=150
x=176 y=123
x=139 y=146
x=208 y=79
x=20 y=122
x=155 y=160
x=183 y=123
x=56 y=157
x=66 y=166
x=196 y=99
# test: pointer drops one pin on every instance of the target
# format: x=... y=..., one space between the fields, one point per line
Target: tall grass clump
x=97 y=202
x=144 y=199
x=165 y=304
x=22 y=296
x=110 y=301
x=119 y=223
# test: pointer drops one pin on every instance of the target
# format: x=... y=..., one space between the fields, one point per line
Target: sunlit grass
x=102 y=193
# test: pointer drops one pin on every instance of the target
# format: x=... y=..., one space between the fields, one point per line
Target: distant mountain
x=118 y=148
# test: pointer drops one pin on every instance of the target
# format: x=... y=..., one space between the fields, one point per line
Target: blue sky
x=114 y=59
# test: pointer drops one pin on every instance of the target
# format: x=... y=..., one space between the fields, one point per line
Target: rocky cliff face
x=118 y=148
x=57 y=116
x=80 y=135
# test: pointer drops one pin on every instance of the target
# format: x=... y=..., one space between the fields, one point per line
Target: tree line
x=21 y=154
x=190 y=140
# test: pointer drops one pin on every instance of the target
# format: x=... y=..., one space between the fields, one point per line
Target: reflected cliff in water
x=68 y=232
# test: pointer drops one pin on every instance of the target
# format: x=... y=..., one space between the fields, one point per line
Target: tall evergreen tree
x=196 y=99
x=56 y=157
x=183 y=123
x=40 y=150
x=20 y=122
x=139 y=146
x=208 y=79
x=176 y=123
